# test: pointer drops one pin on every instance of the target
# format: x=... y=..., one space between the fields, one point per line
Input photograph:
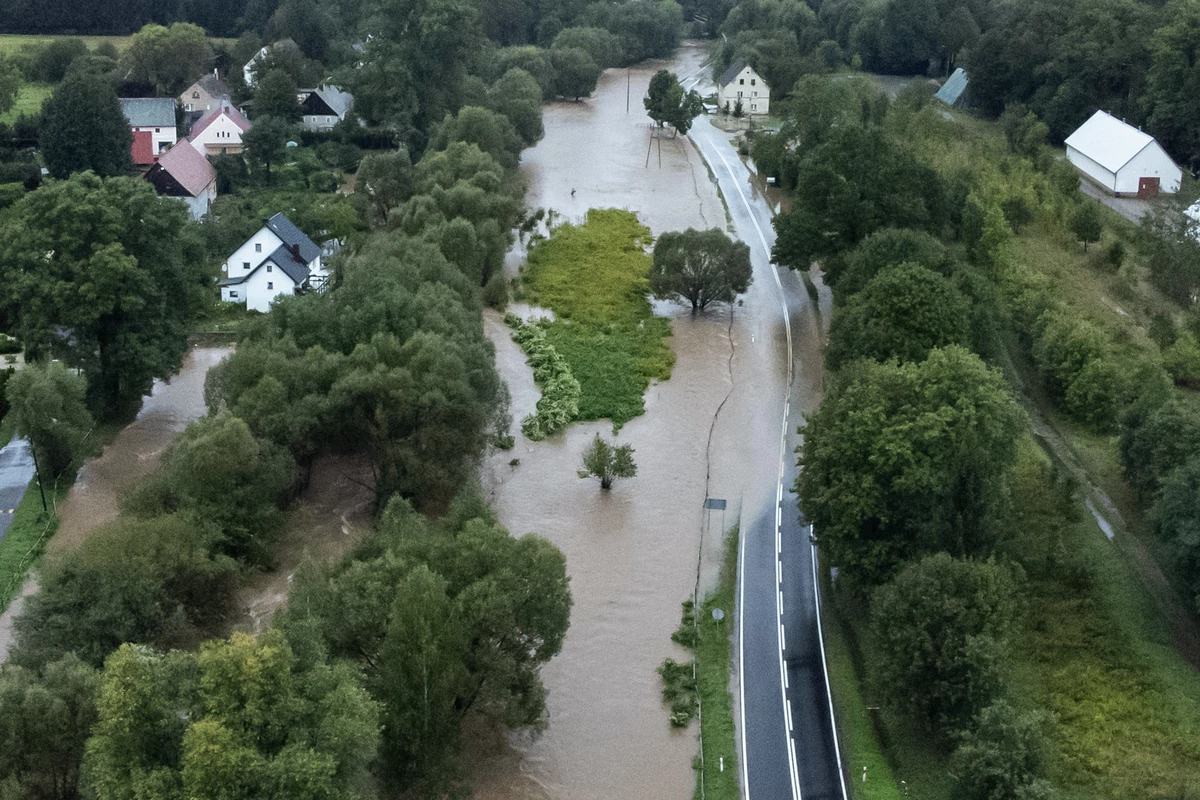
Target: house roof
x=281 y=257
x=731 y=73
x=282 y=227
x=268 y=48
x=337 y=100
x=1108 y=141
x=214 y=86
x=189 y=169
x=214 y=115
x=149 y=112
x=143 y=148
x=952 y=90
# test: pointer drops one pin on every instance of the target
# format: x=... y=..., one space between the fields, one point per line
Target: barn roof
x=952 y=90
x=190 y=169
x=1108 y=141
x=149 y=112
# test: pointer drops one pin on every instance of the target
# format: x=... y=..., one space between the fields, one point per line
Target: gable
x=315 y=106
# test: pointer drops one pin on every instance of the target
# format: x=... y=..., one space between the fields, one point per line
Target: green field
x=29 y=101
x=12 y=43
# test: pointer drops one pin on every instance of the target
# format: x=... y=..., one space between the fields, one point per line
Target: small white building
x=219 y=131
x=152 y=121
x=249 y=69
x=1123 y=160
x=183 y=173
x=324 y=107
x=740 y=83
x=277 y=260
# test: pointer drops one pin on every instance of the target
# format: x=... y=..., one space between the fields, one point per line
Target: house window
x=245 y=265
x=158 y=130
x=233 y=296
x=753 y=82
x=739 y=95
x=257 y=247
x=270 y=285
x=755 y=94
x=741 y=81
x=269 y=268
x=195 y=95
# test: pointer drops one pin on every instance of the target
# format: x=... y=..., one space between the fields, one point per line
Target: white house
x=152 y=120
x=205 y=94
x=183 y=173
x=248 y=70
x=277 y=260
x=219 y=131
x=324 y=107
x=740 y=83
x=1122 y=159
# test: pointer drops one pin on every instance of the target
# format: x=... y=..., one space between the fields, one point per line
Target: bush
x=1004 y=757
x=324 y=182
x=9 y=344
x=10 y=193
x=559 y=403
x=1177 y=521
x=1182 y=361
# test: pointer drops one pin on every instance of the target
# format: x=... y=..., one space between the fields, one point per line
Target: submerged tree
x=602 y=460
x=667 y=103
x=700 y=267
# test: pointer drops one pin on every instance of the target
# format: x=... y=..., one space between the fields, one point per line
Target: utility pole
x=37 y=473
x=628 y=79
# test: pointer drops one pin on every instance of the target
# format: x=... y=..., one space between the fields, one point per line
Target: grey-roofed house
x=279 y=259
x=152 y=120
x=324 y=107
x=741 y=85
x=207 y=93
x=954 y=90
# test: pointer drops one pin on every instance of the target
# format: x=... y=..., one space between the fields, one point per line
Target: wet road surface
x=16 y=471
x=788 y=740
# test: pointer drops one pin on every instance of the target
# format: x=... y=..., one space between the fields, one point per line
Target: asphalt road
x=788 y=744
x=16 y=471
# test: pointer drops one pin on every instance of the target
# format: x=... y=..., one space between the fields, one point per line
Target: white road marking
x=783 y=641
x=825 y=667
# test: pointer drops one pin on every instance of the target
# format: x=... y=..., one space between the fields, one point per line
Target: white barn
x=277 y=260
x=1122 y=159
x=740 y=83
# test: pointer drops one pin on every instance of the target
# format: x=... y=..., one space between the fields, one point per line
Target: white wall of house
x=1092 y=169
x=750 y=89
x=198 y=206
x=1151 y=162
x=265 y=285
x=222 y=136
x=319 y=122
x=162 y=138
x=251 y=254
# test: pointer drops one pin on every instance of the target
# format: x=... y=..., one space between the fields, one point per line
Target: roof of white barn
x=1108 y=141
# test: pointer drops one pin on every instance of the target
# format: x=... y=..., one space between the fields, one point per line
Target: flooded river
x=635 y=553
x=134 y=452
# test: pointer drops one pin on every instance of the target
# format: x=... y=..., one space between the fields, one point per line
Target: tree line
x=912 y=465
x=1063 y=60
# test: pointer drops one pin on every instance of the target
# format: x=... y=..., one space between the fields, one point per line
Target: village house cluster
x=173 y=142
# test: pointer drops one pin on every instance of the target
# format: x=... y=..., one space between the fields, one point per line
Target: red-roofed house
x=183 y=173
x=152 y=120
x=219 y=131
x=143 y=148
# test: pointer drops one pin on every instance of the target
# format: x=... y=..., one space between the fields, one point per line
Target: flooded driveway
x=635 y=553
x=16 y=471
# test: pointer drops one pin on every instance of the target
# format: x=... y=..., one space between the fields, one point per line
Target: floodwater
x=635 y=553
x=134 y=452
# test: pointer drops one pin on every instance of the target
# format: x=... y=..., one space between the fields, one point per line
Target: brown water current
x=635 y=553
x=134 y=452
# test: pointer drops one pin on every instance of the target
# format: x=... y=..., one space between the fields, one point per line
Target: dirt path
x=633 y=553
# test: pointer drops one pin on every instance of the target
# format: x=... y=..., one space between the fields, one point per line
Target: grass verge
x=714 y=659
x=594 y=277
x=22 y=546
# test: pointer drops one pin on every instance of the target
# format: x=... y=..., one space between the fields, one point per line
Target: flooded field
x=635 y=553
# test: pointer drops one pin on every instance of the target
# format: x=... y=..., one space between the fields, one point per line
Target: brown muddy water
x=131 y=456
x=635 y=553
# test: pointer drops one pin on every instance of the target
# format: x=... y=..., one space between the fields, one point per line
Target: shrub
x=324 y=182
x=1004 y=756
x=559 y=403
x=1182 y=361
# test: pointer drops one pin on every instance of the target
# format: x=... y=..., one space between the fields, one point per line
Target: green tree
x=517 y=96
x=491 y=132
x=1182 y=361
x=1176 y=514
x=220 y=472
x=667 y=103
x=244 y=718
x=446 y=619
x=169 y=58
x=533 y=60
x=54 y=58
x=48 y=404
x=882 y=250
x=83 y=128
x=45 y=718
x=1086 y=224
x=275 y=96
x=700 y=267
x=114 y=299
x=903 y=313
x=1024 y=132
x=604 y=48
x=1157 y=437
x=1173 y=78
x=266 y=143
x=384 y=181
x=941 y=629
x=1172 y=253
x=607 y=463
x=902 y=460
x=575 y=72
x=1004 y=755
